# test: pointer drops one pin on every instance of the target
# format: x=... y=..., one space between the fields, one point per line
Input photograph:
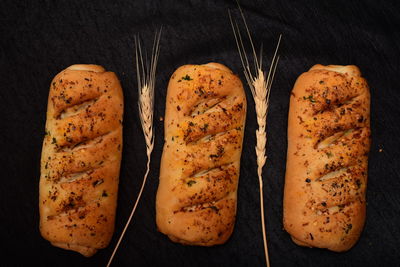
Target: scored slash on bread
x=81 y=158
x=204 y=127
x=327 y=158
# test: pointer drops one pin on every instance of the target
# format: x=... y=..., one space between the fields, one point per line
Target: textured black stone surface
x=40 y=38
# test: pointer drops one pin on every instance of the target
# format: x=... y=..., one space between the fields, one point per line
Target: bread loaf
x=81 y=158
x=327 y=158
x=204 y=126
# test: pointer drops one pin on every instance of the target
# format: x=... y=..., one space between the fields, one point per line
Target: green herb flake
x=54 y=141
x=329 y=154
x=348 y=132
x=214 y=208
x=310 y=97
x=191 y=182
x=187 y=78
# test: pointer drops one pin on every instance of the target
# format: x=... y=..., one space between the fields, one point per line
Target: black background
x=40 y=38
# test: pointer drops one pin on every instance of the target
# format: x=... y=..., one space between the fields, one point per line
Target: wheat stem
x=146 y=83
x=260 y=87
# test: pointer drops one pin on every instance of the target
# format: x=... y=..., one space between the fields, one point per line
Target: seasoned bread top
x=328 y=145
x=81 y=158
x=204 y=126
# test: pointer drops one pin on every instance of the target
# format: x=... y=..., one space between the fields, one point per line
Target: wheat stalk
x=146 y=76
x=260 y=85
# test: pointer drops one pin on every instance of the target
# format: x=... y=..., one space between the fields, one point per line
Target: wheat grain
x=146 y=76
x=260 y=86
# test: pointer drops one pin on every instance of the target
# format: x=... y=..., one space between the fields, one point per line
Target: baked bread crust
x=81 y=158
x=204 y=127
x=327 y=158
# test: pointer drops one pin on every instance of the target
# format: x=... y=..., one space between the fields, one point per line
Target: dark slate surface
x=40 y=38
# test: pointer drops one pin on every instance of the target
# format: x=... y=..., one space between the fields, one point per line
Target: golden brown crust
x=327 y=160
x=204 y=127
x=81 y=158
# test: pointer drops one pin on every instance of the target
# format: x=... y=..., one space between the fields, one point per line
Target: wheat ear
x=146 y=77
x=260 y=85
